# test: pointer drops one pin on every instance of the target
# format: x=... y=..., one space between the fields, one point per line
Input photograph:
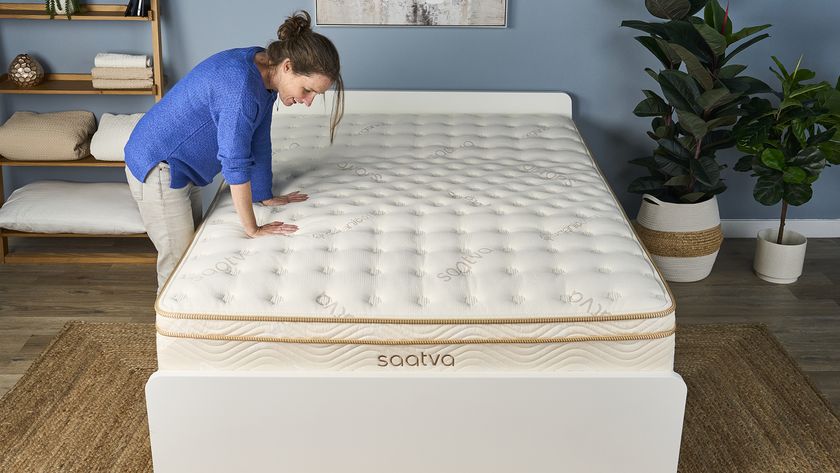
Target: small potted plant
x=62 y=7
x=787 y=147
x=703 y=90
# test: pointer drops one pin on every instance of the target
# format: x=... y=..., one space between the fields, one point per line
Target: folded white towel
x=122 y=83
x=121 y=60
x=110 y=138
x=121 y=72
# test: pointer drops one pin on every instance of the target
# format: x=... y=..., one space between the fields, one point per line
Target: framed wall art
x=471 y=13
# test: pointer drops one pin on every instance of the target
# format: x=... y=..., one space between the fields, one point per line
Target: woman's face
x=295 y=88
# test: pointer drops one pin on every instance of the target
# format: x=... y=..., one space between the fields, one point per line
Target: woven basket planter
x=683 y=239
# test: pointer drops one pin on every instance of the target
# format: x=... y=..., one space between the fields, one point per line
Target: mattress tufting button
x=422 y=301
x=558 y=271
x=511 y=271
x=605 y=270
x=518 y=299
x=471 y=300
x=374 y=300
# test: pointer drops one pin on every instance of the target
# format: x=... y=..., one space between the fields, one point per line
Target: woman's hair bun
x=297 y=24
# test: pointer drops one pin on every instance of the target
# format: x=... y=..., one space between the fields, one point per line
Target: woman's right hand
x=273 y=228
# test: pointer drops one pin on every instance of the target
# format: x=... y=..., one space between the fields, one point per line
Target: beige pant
x=169 y=215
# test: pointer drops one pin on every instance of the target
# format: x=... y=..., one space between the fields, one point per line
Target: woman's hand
x=295 y=196
x=273 y=228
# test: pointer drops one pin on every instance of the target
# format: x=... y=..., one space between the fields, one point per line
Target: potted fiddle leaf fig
x=787 y=147
x=702 y=91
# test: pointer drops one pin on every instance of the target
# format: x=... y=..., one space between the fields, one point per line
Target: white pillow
x=72 y=207
x=110 y=138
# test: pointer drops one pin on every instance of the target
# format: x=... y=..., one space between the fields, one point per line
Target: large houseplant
x=703 y=91
x=787 y=147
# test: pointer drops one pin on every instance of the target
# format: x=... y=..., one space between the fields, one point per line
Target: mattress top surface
x=424 y=219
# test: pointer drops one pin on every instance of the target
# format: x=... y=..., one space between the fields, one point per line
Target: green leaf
x=684 y=34
x=693 y=124
x=680 y=90
x=789 y=103
x=652 y=73
x=715 y=40
x=706 y=170
x=675 y=149
x=692 y=64
x=811 y=159
x=696 y=6
x=677 y=181
x=715 y=97
x=804 y=74
x=668 y=9
x=716 y=140
x=744 y=32
x=714 y=15
x=652 y=107
x=831 y=151
x=746 y=85
x=798 y=194
x=769 y=190
x=728 y=72
x=669 y=165
x=692 y=197
x=652 y=44
x=646 y=184
x=808 y=89
x=794 y=175
x=744 y=46
x=773 y=159
x=744 y=164
x=655 y=29
x=751 y=137
x=722 y=121
x=798 y=130
x=781 y=67
x=821 y=137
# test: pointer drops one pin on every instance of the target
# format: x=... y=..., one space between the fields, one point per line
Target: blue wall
x=549 y=45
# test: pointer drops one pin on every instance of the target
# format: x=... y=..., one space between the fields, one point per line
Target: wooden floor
x=36 y=301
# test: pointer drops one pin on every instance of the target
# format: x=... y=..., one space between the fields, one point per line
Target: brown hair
x=310 y=53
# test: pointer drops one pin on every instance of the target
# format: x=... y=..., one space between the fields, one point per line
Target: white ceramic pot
x=780 y=264
x=63 y=7
x=683 y=239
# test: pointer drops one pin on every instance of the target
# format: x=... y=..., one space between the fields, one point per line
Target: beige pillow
x=55 y=136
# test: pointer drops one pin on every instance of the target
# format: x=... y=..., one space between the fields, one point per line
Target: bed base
x=419 y=423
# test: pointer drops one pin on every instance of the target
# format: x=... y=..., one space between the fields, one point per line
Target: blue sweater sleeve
x=236 y=123
x=261 y=150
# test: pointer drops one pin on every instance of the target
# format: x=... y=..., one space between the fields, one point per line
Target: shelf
x=84 y=162
x=96 y=12
x=57 y=84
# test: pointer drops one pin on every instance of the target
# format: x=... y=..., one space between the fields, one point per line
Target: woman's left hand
x=295 y=196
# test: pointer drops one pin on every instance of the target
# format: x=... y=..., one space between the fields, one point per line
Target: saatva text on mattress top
x=425 y=218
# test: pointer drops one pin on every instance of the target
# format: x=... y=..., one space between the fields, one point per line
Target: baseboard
x=811 y=228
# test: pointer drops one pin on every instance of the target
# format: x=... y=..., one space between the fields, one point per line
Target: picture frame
x=412 y=13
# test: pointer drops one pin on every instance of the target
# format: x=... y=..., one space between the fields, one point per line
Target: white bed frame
x=337 y=422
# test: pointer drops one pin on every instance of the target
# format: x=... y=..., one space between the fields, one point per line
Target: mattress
x=462 y=242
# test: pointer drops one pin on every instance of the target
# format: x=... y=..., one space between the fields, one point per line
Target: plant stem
x=782 y=223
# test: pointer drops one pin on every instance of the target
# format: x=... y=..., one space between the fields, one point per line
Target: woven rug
x=80 y=406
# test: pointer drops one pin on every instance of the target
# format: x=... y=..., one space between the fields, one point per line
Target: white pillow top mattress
x=456 y=242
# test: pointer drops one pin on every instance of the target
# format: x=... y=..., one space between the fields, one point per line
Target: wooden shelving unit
x=36 y=11
x=76 y=84
x=58 y=84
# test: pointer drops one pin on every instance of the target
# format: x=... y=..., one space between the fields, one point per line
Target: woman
x=218 y=119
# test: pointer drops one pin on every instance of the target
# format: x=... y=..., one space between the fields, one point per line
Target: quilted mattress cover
x=431 y=242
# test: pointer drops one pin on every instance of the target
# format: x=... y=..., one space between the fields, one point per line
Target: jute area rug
x=80 y=407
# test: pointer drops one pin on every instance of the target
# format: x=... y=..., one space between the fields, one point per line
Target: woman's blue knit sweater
x=215 y=119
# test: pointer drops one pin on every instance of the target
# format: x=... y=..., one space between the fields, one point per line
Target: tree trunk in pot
x=683 y=239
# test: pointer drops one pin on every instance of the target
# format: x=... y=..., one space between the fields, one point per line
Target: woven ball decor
x=25 y=71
